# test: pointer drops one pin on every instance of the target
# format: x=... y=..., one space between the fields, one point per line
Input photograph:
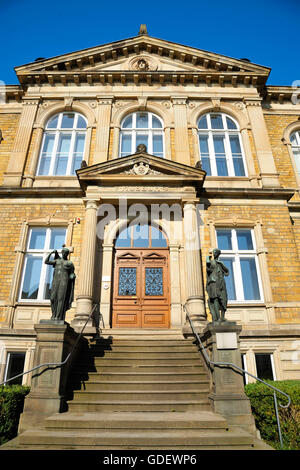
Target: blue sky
x=264 y=31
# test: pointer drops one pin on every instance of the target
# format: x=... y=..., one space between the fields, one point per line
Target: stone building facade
x=219 y=166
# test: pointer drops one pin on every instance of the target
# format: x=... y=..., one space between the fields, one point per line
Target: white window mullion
x=54 y=153
x=228 y=153
x=150 y=141
x=71 y=155
x=239 y=281
x=212 y=157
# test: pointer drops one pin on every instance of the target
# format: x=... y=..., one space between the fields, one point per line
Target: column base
x=84 y=306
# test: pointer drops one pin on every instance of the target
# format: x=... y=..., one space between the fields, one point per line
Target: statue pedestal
x=54 y=341
x=227 y=394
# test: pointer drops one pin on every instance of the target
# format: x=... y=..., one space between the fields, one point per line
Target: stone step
x=142 y=368
x=141 y=355
x=133 y=386
x=134 y=376
x=135 y=361
x=115 y=348
x=136 y=438
x=137 y=396
x=170 y=405
x=137 y=420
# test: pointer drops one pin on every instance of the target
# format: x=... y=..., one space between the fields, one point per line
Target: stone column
x=227 y=387
x=84 y=301
x=14 y=173
x=268 y=171
x=194 y=279
x=103 y=128
x=106 y=282
x=116 y=142
x=182 y=150
x=29 y=177
x=176 y=308
x=48 y=385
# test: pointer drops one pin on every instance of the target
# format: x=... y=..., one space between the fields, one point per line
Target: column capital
x=179 y=100
x=105 y=100
x=255 y=101
x=91 y=203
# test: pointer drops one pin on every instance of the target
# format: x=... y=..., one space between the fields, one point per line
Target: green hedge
x=262 y=404
x=11 y=406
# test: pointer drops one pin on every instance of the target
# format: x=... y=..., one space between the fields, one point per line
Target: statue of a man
x=62 y=289
x=216 y=287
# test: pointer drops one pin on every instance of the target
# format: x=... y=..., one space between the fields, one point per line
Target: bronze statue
x=62 y=289
x=216 y=287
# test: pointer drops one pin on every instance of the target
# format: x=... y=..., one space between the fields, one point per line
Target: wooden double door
x=141 y=288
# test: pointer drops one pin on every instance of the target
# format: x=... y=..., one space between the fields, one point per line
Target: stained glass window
x=154 y=281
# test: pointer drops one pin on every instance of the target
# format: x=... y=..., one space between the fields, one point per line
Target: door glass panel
x=127 y=281
x=154 y=281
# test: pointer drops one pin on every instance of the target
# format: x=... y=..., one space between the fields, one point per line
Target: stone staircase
x=138 y=390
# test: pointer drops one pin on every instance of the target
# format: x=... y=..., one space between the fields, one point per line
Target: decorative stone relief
x=142 y=188
x=142 y=63
x=141 y=169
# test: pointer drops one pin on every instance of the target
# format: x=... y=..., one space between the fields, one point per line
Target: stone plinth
x=47 y=394
x=227 y=393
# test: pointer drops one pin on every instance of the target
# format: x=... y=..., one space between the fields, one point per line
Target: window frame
x=38 y=253
x=265 y=353
x=210 y=132
x=58 y=132
x=134 y=131
x=7 y=364
x=296 y=133
x=237 y=255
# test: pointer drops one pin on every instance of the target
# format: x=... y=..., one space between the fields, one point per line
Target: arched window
x=142 y=128
x=295 y=141
x=63 y=145
x=141 y=236
x=220 y=145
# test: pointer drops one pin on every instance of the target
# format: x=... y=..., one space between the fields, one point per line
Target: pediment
x=141 y=55
x=140 y=167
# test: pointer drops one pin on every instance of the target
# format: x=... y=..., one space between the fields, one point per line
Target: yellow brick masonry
x=11 y=218
x=282 y=258
x=276 y=125
x=8 y=126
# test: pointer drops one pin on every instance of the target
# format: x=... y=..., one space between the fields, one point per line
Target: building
x=206 y=147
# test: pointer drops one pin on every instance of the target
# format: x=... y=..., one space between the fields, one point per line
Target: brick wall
x=8 y=126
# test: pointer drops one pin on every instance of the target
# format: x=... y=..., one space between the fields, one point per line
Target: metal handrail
x=230 y=364
x=57 y=364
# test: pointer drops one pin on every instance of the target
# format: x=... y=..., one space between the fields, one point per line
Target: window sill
x=239 y=304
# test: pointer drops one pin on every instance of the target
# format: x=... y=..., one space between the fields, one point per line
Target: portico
x=141 y=190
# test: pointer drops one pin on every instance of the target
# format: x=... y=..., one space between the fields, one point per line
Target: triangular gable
x=140 y=167
x=123 y=57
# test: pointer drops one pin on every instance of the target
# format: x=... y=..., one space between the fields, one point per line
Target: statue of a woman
x=62 y=289
x=216 y=286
